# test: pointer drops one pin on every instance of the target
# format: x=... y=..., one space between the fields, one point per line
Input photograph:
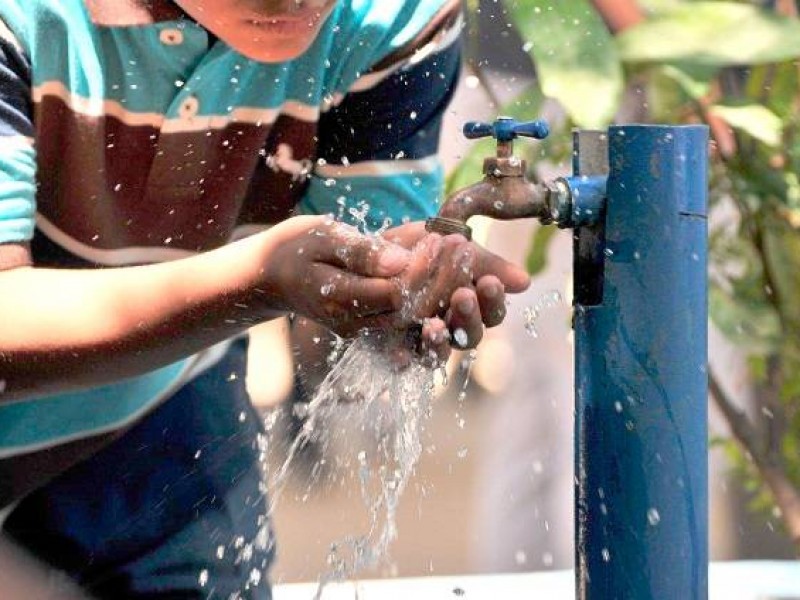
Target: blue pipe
x=641 y=421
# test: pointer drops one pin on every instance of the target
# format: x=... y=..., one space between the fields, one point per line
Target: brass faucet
x=505 y=191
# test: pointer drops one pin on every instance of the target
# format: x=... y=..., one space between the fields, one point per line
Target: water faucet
x=506 y=192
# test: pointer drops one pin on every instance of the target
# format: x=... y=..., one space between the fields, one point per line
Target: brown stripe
x=438 y=27
x=20 y=475
x=136 y=187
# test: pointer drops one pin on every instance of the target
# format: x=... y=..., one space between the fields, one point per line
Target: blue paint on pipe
x=588 y=194
x=641 y=420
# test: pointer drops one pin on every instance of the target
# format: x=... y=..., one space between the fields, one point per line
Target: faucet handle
x=506 y=129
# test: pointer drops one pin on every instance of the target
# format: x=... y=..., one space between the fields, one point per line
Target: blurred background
x=492 y=491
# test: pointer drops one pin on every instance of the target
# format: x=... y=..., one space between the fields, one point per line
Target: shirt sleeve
x=378 y=159
x=17 y=154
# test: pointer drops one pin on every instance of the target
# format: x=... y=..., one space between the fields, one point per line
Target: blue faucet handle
x=475 y=129
x=506 y=129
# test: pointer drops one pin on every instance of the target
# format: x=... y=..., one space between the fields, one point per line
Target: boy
x=147 y=146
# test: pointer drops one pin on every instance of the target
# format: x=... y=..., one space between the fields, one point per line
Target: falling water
x=402 y=397
x=388 y=401
x=532 y=314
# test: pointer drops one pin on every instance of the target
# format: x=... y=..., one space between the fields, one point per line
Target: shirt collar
x=126 y=13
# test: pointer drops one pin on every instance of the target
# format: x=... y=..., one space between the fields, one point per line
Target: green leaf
x=782 y=259
x=657 y=6
x=537 y=255
x=712 y=33
x=470 y=168
x=757 y=366
x=752 y=324
x=776 y=86
x=695 y=81
x=755 y=120
x=576 y=59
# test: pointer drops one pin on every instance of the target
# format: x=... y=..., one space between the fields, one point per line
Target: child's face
x=263 y=30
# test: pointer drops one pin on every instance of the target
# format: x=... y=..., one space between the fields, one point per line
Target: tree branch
x=786 y=496
x=740 y=425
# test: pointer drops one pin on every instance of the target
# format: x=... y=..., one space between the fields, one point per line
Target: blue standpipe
x=640 y=368
x=637 y=202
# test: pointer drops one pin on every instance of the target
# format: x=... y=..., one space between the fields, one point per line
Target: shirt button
x=171 y=37
x=189 y=107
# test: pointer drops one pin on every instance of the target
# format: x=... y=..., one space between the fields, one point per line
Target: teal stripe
x=17 y=194
x=34 y=422
x=131 y=63
x=401 y=198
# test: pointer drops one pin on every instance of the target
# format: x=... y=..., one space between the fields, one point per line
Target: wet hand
x=456 y=282
x=333 y=274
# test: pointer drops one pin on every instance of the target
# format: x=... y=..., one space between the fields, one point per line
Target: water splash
x=532 y=314
x=390 y=403
x=401 y=398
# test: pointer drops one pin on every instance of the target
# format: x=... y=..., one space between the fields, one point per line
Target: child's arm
x=65 y=329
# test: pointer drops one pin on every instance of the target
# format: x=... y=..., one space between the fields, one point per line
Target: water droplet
x=327 y=289
x=472 y=82
x=203 y=578
x=608 y=252
x=533 y=313
x=653 y=517
x=547 y=559
x=520 y=557
x=460 y=337
x=606 y=554
x=220 y=552
x=462 y=452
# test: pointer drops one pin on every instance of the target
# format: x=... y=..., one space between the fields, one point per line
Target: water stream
x=391 y=406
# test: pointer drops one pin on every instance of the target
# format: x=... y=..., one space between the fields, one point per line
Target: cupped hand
x=331 y=273
x=456 y=282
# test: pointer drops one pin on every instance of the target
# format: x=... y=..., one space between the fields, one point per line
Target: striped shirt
x=131 y=135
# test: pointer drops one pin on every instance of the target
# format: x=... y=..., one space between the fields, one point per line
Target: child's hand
x=333 y=274
x=455 y=284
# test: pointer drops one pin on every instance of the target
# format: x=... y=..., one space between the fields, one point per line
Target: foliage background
x=734 y=66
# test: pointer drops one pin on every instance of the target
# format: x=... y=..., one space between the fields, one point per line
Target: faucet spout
x=501 y=198
x=506 y=193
